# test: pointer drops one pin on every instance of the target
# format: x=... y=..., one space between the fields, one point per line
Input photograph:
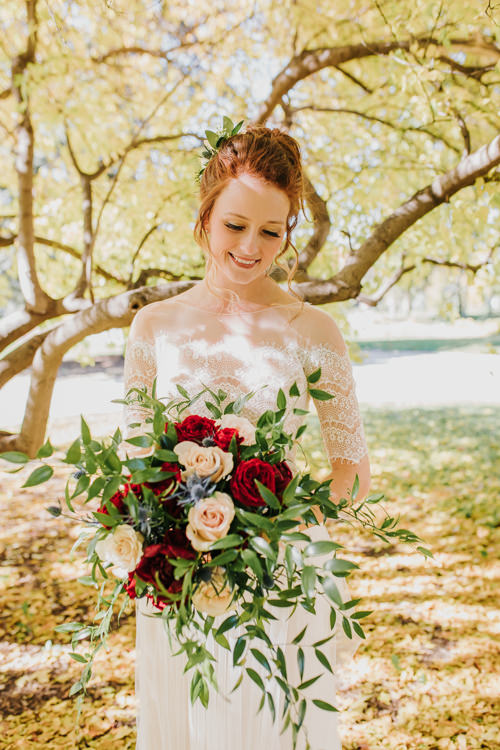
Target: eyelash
x=236 y=228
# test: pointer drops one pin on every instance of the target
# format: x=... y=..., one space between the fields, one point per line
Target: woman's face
x=246 y=228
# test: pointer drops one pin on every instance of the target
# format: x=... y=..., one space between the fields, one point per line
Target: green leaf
x=74 y=452
x=252 y=561
x=346 y=626
x=320 y=395
x=75 y=688
x=300 y=662
x=308 y=683
x=331 y=590
x=15 y=457
x=299 y=637
x=231 y=540
x=261 y=658
x=308 y=580
x=84 y=429
x=314 y=376
x=359 y=615
x=323 y=659
x=294 y=391
x=281 y=400
x=260 y=545
x=319 y=548
x=255 y=676
x=229 y=622
x=239 y=648
x=40 y=475
x=45 y=451
x=425 y=552
x=337 y=565
x=213 y=409
x=355 y=488
x=324 y=705
x=268 y=496
x=212 y=138
x=140 y=441
x=227 y=123
x=78 y=657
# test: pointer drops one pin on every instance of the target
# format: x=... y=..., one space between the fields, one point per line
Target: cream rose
x=209 y=520
x=245 y=428
x=123 y=548
x=213 y=597
x=211 y=461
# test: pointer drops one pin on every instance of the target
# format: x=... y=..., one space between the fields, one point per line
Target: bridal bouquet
x=205 y=524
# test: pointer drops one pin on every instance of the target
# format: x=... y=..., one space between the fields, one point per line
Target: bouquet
x=205 y=524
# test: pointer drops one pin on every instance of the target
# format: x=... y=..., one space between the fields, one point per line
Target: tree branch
x=373 y=301
x=36 y=300
x=20 y=358
x=112 y=312
x=346 y=284
x=311 y=61
x=473 y=267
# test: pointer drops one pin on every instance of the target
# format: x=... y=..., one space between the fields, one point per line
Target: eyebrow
x=240 y=216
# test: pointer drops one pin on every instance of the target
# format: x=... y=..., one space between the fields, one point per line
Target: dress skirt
x=166 y=718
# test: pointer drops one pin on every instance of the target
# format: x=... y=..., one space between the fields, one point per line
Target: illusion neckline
x=237 y=312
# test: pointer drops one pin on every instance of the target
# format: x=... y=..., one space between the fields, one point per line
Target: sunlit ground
x=428 y=675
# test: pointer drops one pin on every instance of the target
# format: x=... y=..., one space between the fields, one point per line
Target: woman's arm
x=139 y=372
x=339 y=417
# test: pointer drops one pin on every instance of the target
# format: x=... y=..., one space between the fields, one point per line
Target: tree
x=104 y=110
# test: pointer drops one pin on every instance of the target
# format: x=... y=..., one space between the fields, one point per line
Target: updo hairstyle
x=268 y=153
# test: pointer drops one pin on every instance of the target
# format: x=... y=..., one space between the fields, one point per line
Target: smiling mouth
x=244 y=264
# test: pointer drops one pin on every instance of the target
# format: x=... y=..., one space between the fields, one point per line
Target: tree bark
x=37 y=301
x=112 y=312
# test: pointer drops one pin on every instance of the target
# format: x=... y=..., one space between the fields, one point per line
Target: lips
x=242 y=264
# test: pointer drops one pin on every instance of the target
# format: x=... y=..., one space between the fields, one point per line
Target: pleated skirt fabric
x=167 y=720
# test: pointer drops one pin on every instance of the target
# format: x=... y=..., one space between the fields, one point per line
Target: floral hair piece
x=215 y=140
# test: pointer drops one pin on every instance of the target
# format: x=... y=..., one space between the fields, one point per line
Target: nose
x=248 y=244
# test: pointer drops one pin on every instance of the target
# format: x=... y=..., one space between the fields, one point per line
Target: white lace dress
x=266 y=350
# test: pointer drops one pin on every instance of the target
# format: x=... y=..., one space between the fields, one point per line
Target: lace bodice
x=259 y=351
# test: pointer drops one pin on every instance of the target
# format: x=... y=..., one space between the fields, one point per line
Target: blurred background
x=103 y=110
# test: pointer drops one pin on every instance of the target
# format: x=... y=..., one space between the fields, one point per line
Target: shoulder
x=319 y=328
x=152 y=319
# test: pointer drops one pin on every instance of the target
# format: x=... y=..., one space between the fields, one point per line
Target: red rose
x=130 y=585
x=243 y=487
x=154 y=560
x=223 y=437
x=166 y=486
x=283 y=476
x=118 y=501
x=195 y=428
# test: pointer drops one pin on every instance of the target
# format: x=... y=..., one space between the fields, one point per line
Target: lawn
x=428 y=675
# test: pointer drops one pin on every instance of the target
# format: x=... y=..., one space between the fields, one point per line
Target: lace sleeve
x=139 y=372
x=339 y=417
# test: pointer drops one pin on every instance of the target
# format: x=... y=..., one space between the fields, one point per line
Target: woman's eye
x=237 y=228
x=233 y=226
x=272 y=234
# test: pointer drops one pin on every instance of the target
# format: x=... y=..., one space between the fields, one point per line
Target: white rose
x=123 y=548
x=211 y=461
x=245 y=428
x=213 y=597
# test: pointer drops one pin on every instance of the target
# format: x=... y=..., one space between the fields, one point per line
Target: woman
x=238 y=330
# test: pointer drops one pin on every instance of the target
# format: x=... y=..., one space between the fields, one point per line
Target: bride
x=238 y=330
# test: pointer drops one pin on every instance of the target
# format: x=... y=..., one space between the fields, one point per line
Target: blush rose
x=209 y=520
x=214 y=596
x=211 y=461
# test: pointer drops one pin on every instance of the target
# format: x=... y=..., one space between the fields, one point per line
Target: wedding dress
x=262 y=350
